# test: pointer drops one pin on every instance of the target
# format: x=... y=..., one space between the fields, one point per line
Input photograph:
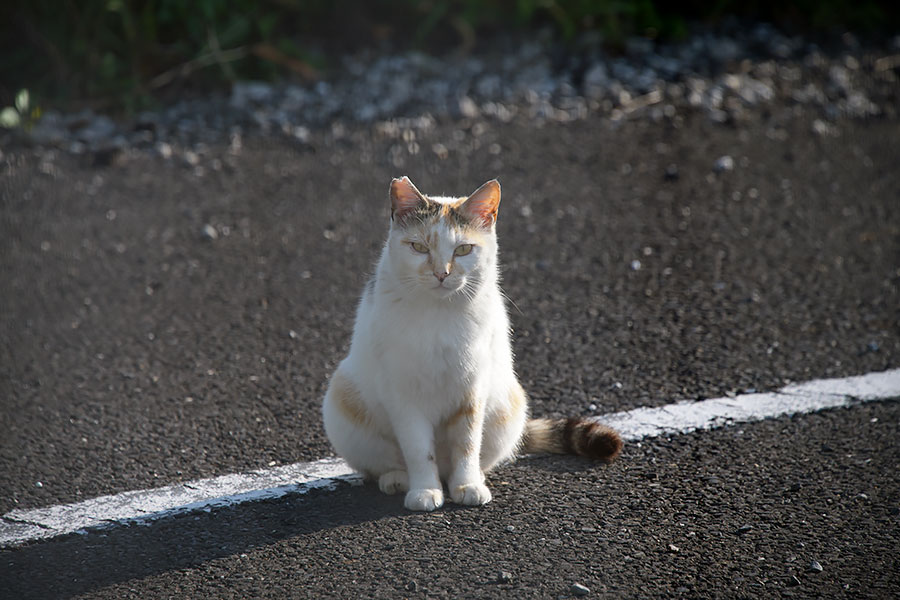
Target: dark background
x=122 y=55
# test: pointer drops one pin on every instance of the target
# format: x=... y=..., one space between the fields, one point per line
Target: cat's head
x=443 y=246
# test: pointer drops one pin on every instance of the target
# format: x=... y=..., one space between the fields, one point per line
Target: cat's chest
x=446 y=344
x=434 y=347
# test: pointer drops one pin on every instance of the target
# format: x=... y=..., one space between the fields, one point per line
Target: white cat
x=428 y=393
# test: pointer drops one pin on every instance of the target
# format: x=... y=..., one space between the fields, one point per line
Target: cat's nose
x=442 y=275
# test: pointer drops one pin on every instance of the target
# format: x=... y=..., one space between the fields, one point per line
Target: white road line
x=798 y=398
x=144 y=506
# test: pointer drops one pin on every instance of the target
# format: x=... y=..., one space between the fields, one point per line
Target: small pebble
x=579 y=590
x=468 y=108
x=724 y=163
x=673 y=548
x=793 y=581
x=504 y=577
x=39 y=484
x=412 y=586
x=815 y=567
x=209 y=232
x=744 y=529
x=164 y=150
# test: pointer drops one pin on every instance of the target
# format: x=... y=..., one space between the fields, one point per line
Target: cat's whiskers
x=510 y=300
x=469 y=291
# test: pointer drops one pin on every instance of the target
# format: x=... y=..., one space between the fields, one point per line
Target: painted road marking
x=145 y=506
x=799 y=398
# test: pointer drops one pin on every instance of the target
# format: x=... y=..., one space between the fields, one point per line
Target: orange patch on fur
x=468 y=411
x=517 y=398
x=349 y=401
x=517 y=402
x=464 y=444
x=455 y=203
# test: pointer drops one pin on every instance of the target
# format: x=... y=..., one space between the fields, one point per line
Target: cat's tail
x=578 y=435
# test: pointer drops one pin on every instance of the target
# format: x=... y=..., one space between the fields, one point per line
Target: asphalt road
x=139 y=350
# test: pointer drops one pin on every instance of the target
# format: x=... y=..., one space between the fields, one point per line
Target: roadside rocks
x=579 y=590
x=721 y=75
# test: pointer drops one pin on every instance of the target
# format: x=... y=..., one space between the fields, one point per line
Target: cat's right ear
x=405 y=198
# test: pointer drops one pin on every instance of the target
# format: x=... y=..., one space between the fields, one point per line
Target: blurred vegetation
x=124 y=53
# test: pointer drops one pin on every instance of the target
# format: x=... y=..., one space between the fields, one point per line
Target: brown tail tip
x=592 y=440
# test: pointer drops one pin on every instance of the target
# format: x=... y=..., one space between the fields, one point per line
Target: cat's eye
x=419 y=247
x=463 y=249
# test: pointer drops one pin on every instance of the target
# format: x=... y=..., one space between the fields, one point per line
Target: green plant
x=21 y=114
x=124 y=51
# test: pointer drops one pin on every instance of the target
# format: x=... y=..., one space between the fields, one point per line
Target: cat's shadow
x=556 y=463
x=75 y=564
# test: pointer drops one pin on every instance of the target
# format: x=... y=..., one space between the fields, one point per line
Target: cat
x=428 y=393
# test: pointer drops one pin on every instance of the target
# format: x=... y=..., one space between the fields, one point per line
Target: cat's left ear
x=481 y=206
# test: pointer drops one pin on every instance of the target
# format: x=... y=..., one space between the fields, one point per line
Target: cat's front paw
x=427 y=499
x=471 y=494
x=393 y=482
